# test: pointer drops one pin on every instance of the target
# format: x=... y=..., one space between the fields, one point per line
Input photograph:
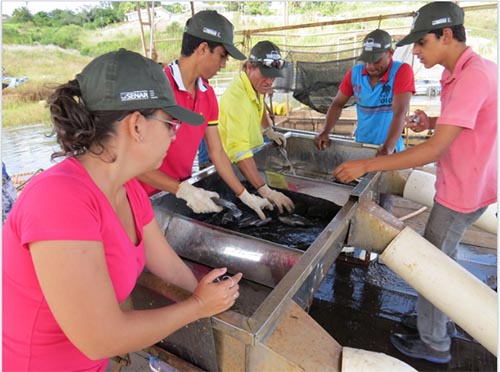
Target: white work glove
x=277 y=198
x=256 y=203
x=199 y=200
x=275 y=136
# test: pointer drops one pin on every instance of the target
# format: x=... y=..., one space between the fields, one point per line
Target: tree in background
x=257 y=7
x=126 y=6
x=22 y=15
x=325 y=8
x=42 y=19
x=175 y=8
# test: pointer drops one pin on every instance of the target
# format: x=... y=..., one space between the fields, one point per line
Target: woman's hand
x=215 y=294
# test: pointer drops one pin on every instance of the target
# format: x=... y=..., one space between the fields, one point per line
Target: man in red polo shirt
x=207 y=42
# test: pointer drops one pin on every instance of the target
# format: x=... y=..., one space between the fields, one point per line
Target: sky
x=36 y=6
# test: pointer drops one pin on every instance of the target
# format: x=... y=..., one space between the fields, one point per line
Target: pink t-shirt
x=466 y=178
x=178 y=163
x=62 y=203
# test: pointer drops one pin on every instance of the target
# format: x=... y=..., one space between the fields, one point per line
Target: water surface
x=27 y=148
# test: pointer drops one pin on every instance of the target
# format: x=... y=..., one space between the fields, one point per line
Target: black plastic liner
x=296 y=230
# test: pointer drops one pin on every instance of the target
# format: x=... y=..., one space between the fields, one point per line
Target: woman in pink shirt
x=82 y=231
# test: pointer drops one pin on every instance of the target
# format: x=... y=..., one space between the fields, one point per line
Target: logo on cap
x=137 y=95
x=370 y=44
x=212 y=32
x=441 y=21
x=273 y=55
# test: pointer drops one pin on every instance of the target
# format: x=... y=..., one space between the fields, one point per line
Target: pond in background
x=27 y=148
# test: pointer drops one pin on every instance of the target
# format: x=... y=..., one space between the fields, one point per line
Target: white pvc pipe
x=488 y=220
x=419 y=187
x=446 y=284
x=358 y=360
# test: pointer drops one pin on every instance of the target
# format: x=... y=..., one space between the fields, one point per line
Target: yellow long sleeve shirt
x=240 y=117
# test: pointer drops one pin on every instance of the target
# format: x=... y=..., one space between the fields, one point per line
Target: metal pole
x=152 y=28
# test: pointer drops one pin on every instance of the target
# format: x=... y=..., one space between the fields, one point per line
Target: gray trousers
x=445 y=228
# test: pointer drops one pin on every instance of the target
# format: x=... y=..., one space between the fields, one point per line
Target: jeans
x=445 y=228
x=203 y=157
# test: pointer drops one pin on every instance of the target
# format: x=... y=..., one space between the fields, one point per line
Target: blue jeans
x=203 y=157
x=445 y=228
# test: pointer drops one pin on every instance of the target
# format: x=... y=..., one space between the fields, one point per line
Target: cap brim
x=184 y=115
x=370 y=57
x=270 y=72
x=233 y=52
x=412 y=38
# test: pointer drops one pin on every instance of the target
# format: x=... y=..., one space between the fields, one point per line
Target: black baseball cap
x=268 y=58
x=125 y=80
x=433 y=16
x=212 y=26
x=375 y=44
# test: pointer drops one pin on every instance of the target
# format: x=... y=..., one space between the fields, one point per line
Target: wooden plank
x=302 y=344
x=172 y=360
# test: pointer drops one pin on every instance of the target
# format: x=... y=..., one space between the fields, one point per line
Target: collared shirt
x=466 y=177
x=178 y=163
x=374 y=104
x=241 y=111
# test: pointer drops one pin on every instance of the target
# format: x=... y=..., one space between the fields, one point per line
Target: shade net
x=314 y=78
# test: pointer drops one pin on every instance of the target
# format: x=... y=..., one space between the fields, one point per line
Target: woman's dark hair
x=78 y=130
x=459 y=33
x=190 y=43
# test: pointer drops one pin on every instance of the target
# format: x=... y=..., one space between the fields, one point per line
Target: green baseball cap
x=212 y=26
x=268 y=58
x=433 y=16
x=375 y=44
x=125 y=80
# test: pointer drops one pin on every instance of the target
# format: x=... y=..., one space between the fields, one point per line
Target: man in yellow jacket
x=243 y=119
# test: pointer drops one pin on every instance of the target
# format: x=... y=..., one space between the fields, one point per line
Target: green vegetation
x=18 y=112
x=94 y=17
x=51 y=47
x=46 y=66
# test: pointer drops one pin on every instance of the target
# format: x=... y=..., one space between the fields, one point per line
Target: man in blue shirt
x=382 y=89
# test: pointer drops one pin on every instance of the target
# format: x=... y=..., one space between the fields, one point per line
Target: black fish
x=235 y=211
x=253 y=221
x=295 y=220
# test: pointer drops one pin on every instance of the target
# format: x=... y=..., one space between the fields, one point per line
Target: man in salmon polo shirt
x=464 y=145
x=206 y=45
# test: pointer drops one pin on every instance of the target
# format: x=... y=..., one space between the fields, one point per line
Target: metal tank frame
x=273 y=332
